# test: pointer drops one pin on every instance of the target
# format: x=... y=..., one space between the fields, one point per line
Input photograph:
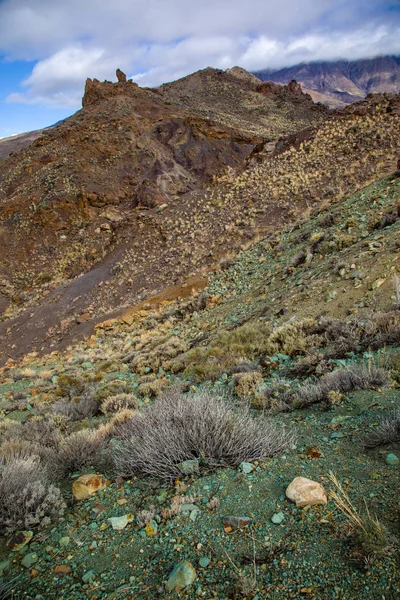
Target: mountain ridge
x=337 y=83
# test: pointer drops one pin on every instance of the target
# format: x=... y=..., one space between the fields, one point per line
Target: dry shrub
x=42 y=430
x=79 y=449
x=276 y=395
x=248 y=385
x=356 y=377
x=294 y=338
x=9 y=429
x=249 y=342
x=21 y=449
x=153 y=388
x=155 y=351
x=178 y=428
x=370 y=331
x=77 y=409
x=27 y=499
x=388 y=431
x=119 y=402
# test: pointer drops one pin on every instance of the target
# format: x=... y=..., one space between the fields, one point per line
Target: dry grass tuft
x=370 y=535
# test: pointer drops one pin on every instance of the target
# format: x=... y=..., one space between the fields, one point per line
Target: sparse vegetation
x=369 y=534
x=204 y=427
x=357 y=377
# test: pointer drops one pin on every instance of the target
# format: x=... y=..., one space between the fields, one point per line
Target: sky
x=49 y=47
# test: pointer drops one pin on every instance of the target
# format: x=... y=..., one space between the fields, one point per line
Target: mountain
x=96 y=211
x=200 y=346
x=341 y=82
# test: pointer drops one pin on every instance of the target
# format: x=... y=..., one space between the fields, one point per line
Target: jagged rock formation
x=342 y=82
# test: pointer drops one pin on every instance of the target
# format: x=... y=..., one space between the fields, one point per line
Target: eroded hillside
x=138 y=252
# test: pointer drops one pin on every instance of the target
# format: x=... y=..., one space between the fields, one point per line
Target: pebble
x=204 y=561
x=19 y=540
x=236 y=522
x=188 y=467
x=277 y=518
x=29 y=560
x=181 y=576
x=246 y=467
x=119 y=523
x=89 y=576
x=392 y=460
x=64 y=541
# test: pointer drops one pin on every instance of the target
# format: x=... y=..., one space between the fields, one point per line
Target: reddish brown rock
x=121 y=76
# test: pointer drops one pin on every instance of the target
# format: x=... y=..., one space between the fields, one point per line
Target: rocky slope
x=342 y=82
x=17 y=142
x=98 y=198
x=305 y=304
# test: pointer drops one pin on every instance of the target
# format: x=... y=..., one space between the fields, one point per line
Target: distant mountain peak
x=341 y=82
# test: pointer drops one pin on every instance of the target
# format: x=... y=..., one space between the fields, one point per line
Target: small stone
x=19 y=540
x=87 y=485
x=236 y=522
x=151 y=528
x=306 y=492
x=246 y=467
x=188 y=467
x=181 y=576
x=119 y=523
x=29 y=560
x=392 y=460
x=204 y=561
x=64 y=541
x=277 y=518
x=63 y=570
x=89 y=576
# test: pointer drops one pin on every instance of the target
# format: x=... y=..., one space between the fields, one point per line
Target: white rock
x=306 y=492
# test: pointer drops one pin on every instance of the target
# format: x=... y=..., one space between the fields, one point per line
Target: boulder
x=306 y=492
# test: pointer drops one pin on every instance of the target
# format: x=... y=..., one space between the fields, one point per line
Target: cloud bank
x=155 y=41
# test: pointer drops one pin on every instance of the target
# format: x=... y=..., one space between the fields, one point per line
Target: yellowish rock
x=306 y=492
x=87 y=485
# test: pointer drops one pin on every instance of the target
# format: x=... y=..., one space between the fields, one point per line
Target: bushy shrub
x=27 y=499
x=387 y=432
x=154 y=387
x=80 y=449
x=77 y=409
x=119 y=402
x=178 y=428
x=356 y=377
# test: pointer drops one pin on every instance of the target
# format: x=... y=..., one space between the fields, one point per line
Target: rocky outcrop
x=97 y=91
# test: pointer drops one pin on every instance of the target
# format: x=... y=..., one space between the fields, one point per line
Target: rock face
x=306 y=492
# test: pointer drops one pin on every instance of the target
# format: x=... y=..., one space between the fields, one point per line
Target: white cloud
x=161 y=40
